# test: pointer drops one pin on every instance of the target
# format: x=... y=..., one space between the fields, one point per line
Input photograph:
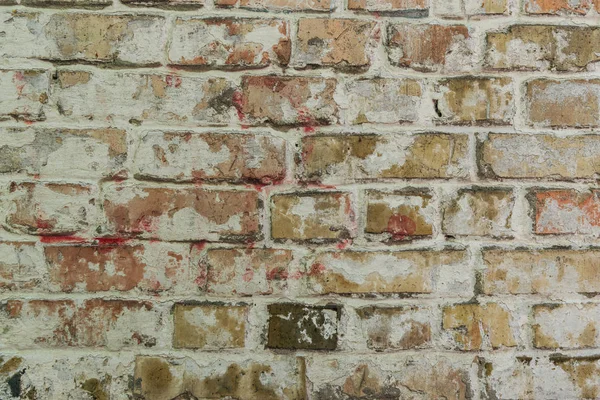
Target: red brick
x=566 y=212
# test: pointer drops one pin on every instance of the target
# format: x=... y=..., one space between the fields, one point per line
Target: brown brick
x=385 y=272
x=570 y=326
x=560 y=7
x=566 y=211
x=245 y=272
x=48 y=153
x=550 y=272
x=409 y=8
x=321 y=216
x=230 y=43
x=563 y=103
x=407 y=327
x=559 y=48
x=257 y=378
x=382 y=100
x=479 y=212
x=113 y=324
x=303 y=327
x=474 y=101
x=21 y=266
x=24 y=93
x=209 y=326
x=430 y=48
x=191 y=157
x=335 y=159
x=540 y=156
x=50 y=208
x=479 y=326
x=340 y=43
x=285 y=101
x=154 y=267
x=400 y=216
x=182 y=214
x=279 y=5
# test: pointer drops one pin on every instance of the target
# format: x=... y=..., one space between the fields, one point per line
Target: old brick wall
x=299 y=199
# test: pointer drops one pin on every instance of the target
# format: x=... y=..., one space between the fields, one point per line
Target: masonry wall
x=299 y=199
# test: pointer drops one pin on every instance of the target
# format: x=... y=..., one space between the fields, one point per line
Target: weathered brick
x=279 y=5
x=339 y=43
x=230 y=42
x=407 y=327
x=408 y=8
x=24 y=93
x=566 y=211
x=400 y=215
x=539 y=156
x=560 y=7
x=57 y=153
x=168 y=4
x=153 y=267
x=183 y=213
x=113 y=324
x=571 y=326
x=384 y=272
x=21 y=266
x=382 y=100
x=509 y=376
x=323 y=216
x=560 y=48
x=430 y=48
x=334 y=159
x=143 y=97
x=470 y=8
x=118 y=39
x=209 y=326
x=393 y=376
x=191 y=157
x=50 y=208
x=303 y=327
x=549 y=272
x=563 y=103
x=245 y=272
x=472 y=326
x=89 y=4
x=257 y=378
x=474 y=101
x=578 y=377
x=479 y=212
x=285 y=101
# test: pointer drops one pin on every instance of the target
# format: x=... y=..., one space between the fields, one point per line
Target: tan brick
x=285 y=101
x=133 y=97
x=470 y=8
x=335 y=159
x=113 y=324
x=279 y=5
x=183 y=213
x=230 y=42
x=50 y=208
x=479 y=212
x=430 y=48
x=474 y=101
x=566 y=211
x=407 y=327
x=560 y=7
x=563 y=103
x=255 y=378
x=409 y=8
x=507 y=376
x=400 y=215
x=339 y=43
x=209 y=326
x=153 y=267
x=324 y=216
x=57 y=153
x=191 y=157
x=97 y=38
x=245 y=272
x=21 y=266
x=550 y=272
x=24 y=93
x=385 y=272
x=559 y=48
x=479 y=326
x=382 y=100
x=571 y=326
x=539 y=156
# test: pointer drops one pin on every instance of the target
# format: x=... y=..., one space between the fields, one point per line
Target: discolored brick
x=560 y=7
x=565 y=211
x=24 y=94
x=409 y=8
x=21 y=266
x=279 y=5
x=569 y=326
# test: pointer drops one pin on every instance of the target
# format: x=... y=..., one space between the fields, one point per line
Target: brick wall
x=299 y=199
